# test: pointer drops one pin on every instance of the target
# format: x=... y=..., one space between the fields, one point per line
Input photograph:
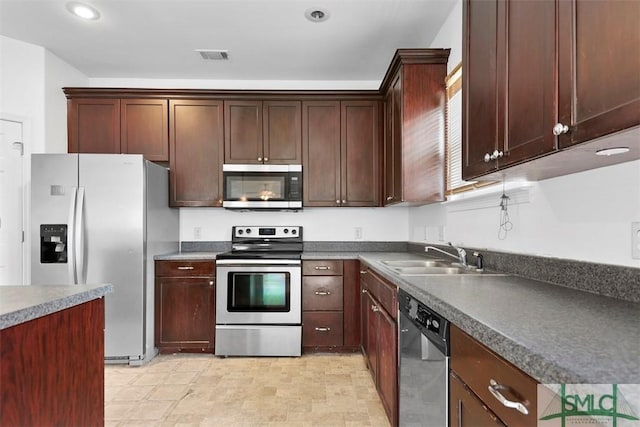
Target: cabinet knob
x=559 y=129
x=338 y=201
x=266 y=159
x=259 y=159
x=493 y=156
x=374 y=308
x=390 y=198
x=344 y=201
x=487 y=157
x=211 y=282
x=365 y=291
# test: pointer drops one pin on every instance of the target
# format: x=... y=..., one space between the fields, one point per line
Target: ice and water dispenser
x=53 y=243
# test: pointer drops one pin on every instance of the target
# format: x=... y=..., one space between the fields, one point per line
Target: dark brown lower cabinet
x=466 y=410
x=52 y=369
x=379 y=304
x=185 y=306
x=330 y=304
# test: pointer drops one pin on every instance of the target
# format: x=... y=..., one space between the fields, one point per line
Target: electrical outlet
x=197 y=233
x=635 y=240
x=358 y=233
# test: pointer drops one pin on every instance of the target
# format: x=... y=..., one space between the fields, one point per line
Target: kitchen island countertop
x=19 y=304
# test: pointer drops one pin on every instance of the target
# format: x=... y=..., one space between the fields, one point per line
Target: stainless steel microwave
x=262 y=186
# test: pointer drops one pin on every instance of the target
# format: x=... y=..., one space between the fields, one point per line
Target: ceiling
x=266 y=40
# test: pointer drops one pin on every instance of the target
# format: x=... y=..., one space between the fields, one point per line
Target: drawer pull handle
x=323 y=329
x=365 y=291
x=185 y=268
x=364 y=271
x=374 y=308
x=322 y=293
x=493 y=389
x=322 y=267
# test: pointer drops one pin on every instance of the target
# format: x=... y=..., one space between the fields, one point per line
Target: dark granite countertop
x=20 y=304
x=553 y=333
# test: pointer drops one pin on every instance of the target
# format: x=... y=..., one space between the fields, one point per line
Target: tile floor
x=202 y=390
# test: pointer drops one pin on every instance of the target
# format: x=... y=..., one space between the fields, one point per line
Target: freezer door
x=54 y=179
x=113 y=229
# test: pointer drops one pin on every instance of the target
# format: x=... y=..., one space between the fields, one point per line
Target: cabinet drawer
x=321 y=328
x=384 y=292
x=477 y=365
x=322 y=293
x=322 y=268
x=185 y=268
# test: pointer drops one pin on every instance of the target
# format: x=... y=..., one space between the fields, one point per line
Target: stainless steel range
x=259 y=293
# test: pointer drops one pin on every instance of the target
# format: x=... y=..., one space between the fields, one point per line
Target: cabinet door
x=370 y=341
x=196 y=142
x=479 y=86
x=243 y=132
x=321 y=153
x=526 y=73
x=465 y=409
x=388 y=364
x=351 y=303
x=599 y=65
x=393 y=143
x=360 y=153
x=93 y=125
x=185 y=313
x=144 y=128
x=282 y=132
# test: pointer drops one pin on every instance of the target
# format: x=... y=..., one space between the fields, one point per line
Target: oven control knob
x=248 y=231
x=240 y=231
x=293 y=231
x=286 y=230
x=435 y=323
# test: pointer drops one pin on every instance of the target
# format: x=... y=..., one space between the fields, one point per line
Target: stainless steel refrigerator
x=101 y=218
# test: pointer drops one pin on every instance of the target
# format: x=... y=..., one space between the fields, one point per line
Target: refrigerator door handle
x=80 y=238
x=71 y=244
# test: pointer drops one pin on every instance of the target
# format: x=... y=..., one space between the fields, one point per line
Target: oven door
x=263 y=294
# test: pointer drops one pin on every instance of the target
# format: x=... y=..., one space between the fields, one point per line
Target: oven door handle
x=241 y=262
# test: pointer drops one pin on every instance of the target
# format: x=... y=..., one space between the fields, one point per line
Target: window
x=455 y=183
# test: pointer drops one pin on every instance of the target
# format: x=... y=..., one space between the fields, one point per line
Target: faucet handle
x=479 y=260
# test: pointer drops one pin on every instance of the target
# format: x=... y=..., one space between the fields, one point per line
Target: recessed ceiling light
x=83 y=11
x=316 y=14
x=612 y=151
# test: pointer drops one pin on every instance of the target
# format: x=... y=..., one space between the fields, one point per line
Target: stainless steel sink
x=424 y=271
x=397 y=264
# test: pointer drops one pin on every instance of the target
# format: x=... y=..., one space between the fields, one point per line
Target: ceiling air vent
x=211 y=54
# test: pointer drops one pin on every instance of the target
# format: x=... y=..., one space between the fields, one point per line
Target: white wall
x=58 y=74
x=585 y=216
x=31 y=81
x=22 y=86
x=450 y=36
x=320 y=224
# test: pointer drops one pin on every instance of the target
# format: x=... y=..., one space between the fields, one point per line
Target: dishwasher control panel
x=428 y=321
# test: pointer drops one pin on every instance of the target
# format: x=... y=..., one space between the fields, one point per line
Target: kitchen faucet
x=462 y=254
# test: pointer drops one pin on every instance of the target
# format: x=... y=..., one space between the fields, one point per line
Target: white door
x=11 y=203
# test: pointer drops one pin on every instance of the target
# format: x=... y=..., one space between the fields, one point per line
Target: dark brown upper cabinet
x=197 y=146
x=539 y=77
x=266 y=132
x=414 y=132
x=114 y=126
x=341 y=153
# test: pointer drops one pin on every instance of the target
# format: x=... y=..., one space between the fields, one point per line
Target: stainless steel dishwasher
x=424 y=365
